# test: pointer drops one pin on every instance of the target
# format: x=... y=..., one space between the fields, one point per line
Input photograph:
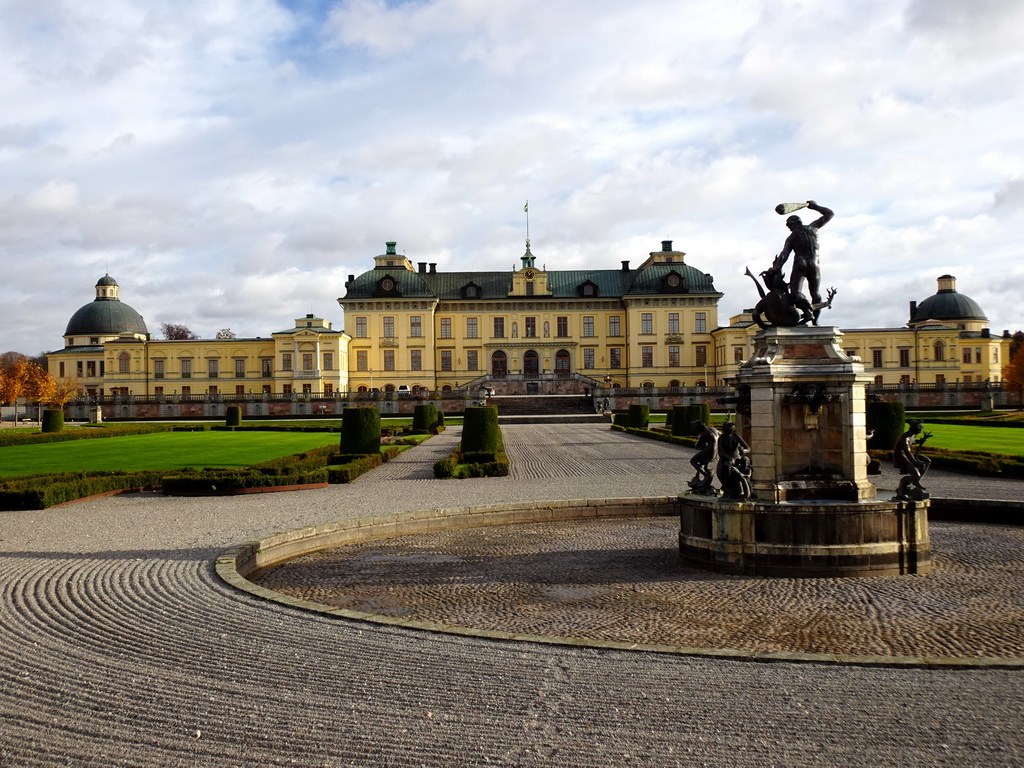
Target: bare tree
x=177 y=332
x=225 y=333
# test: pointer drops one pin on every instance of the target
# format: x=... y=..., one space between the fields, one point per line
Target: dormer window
x=388 y=286
x=673 y=282
x=588 y=290
x=471 y=291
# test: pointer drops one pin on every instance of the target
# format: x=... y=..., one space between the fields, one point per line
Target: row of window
x=529 y=326
x=561 y=358
x=89 y=368
x=970 y=356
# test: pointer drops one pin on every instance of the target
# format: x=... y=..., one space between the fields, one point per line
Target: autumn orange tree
x=14 y=379
x=1013 y=372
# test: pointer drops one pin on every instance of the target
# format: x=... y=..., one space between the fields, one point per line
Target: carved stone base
x=822 y=539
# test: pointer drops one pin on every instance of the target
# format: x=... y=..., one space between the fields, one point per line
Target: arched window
x=648 y=385
x=446 y=388
x=562 y=362
x=389 y=387
x=674 y=383
x=701 y=383
x=499 y=364
x=361 y=389
x=940 y=350
x=123 y=361
x=531 y=363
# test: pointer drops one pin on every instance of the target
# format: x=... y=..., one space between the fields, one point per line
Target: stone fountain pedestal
x=813 y=512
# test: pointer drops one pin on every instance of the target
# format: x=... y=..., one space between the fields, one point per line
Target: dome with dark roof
x=106 y=315
x=947 y=306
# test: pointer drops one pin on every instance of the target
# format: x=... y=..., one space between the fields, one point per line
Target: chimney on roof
x=433 y=268
x=423 y=267
x=625 y=266
x=350 y=279
x=986 y=333
x=666 y=246
x=913 y=309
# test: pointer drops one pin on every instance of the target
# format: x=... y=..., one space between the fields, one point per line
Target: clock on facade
x=530 y=274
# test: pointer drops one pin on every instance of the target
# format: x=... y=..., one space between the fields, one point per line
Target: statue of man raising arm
x=803 y=244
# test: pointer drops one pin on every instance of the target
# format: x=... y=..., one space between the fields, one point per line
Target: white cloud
x=232 y=161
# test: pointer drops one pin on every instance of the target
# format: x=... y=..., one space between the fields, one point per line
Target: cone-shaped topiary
x=232 y=416
x=424 y=418
x=53 y=420
x=480 y=432
x=639 y=415
x=681 y=417
x=887 y=420
x=360 y=431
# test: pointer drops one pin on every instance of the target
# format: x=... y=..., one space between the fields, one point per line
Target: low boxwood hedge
x=42 y=491
x=83 y=433
x=658 y=434
x=474 y=463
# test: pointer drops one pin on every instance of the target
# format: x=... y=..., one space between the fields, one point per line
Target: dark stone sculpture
x=803 y=244
x=812 y=395
x=706 y=445
x=911 y=464
x=733 y=464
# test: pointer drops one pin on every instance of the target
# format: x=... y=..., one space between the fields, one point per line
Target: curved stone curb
x=235 y=565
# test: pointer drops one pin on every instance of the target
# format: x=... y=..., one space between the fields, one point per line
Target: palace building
x=650 y=328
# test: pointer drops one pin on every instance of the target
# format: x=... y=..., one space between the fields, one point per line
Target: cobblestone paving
x=619 y=580
x=119 y=647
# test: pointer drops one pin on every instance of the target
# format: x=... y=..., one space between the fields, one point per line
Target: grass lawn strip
x=980 y=438
x=162 y=451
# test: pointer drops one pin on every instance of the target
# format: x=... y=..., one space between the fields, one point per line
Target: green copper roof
x=948 y=306
x=105 y=317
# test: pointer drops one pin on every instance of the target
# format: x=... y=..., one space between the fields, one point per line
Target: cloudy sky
x=230 y=162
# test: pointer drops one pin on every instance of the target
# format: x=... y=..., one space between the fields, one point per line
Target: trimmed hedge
x=683 y=417
x=42 y=491
x=887 y=419
x=659 y=434
x=212 y=481
x=85 y=433
x=53 y=420
x=232 y=416
x=476 y=463
x=360 y=431
x=967 y=462
x=346 y=468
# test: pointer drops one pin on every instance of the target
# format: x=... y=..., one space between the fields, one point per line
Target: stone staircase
x=545 y=409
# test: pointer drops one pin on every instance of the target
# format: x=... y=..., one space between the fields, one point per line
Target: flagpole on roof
x=526 y=210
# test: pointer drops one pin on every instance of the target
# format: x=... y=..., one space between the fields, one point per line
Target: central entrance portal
x=531 y=363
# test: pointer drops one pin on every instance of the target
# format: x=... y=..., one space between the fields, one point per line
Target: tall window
x=416 y=326
x=967 y=356
x=158 y=369
x=446 y=327
x=613 y=326
x=123 y=362
x=562 y=326
x=904 y=358
x=701 y=354
x=647 y=357
x=646 y=322
x=472 y=360
x=239 y=369
x=588 y=358
x=673 y=355
x=471 y=328
x=416 y=359
x=531 y=326
x=286 y=361
x=876 y=358
x=389 y=327
x=389 y=359
x=186 y=369
x=977 y=355
x=588 y=325
x=307 y=361
x=266 y=368
x=360 y=327
x=239 y=389
x=615 y=357
x=328 y=361
x=700 y=322
x=213 y=368
x=186 y=391
x=446 y=359
x=673 y=322
x=499 y=327
x=940 y=350
x=362 y=360
x=529 y=289
x=737 y=354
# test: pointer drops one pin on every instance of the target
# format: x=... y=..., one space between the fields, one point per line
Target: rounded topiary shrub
x=53 y=420
x=480 y=432
x=233 y=416
x=424 y=418
x=680 y=419
x=360 y=431
x=887 y=420
x=639 y=416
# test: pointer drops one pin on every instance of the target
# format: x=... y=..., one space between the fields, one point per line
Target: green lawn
x=992 y=439
x=163 y=450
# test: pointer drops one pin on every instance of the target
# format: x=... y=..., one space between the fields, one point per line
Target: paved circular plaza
x=119 y=646
x=619 y=580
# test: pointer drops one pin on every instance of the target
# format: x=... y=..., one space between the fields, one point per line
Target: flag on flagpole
x=526 y=208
